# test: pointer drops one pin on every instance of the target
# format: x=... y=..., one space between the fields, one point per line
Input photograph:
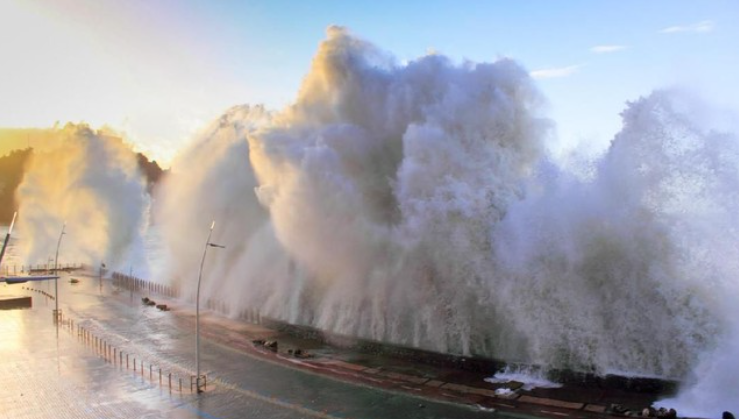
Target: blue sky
x=158 y=70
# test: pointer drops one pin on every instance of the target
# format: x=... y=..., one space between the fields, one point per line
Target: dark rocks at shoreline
x=647 y=412
x=667 y=414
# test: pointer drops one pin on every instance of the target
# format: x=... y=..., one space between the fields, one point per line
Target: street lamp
x=197 y=307
x=56 y=280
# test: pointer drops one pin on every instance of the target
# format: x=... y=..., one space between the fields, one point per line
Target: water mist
x=416 y=204
x=90 y=180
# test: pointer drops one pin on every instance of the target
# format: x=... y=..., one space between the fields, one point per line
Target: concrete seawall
x=476 y=364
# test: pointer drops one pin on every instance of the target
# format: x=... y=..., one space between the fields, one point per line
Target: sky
x=157 y=71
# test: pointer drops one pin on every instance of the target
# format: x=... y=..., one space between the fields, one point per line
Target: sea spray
x=91 y=181
x=529 y=376
x=713 y=381
x=632 y=271
x=416 y=204
x=212 y=181
x=381 y=185
x=713 y=384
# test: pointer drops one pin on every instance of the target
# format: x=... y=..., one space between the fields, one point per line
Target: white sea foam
x=530 y=377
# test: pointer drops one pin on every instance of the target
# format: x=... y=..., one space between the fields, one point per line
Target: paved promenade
x=113 y=357
x=45 y=376
x=74 y=374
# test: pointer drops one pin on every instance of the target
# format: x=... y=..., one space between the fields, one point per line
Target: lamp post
x=197 y=306
x=56 y=280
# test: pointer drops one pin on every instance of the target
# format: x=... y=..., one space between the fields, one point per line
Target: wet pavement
x=79 y=369
x=113 y=356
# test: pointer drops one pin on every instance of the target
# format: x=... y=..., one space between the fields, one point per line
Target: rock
x=648 y=412
x=297 y=353
x=514 y=385
x=258 y=342
x=617 y=408
x=727 y=415
x=667 y=414
x=145 y=300
x=271 y=345
x=162 y=307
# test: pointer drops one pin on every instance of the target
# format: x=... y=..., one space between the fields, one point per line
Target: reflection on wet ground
x=50 y=373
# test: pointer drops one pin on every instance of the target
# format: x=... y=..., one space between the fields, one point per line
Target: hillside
x=11 y=174
x=151 y=171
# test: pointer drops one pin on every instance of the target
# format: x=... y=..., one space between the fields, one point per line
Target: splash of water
x=415 y=204
x=377 y=190
x=530 y=377
x=212 y=180
x=620 y=273
x=632 y=270
x=90 y=180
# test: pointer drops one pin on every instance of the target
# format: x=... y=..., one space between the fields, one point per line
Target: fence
x=42 y=292
x=41 y=267
x=136 y=284
x=118 y=358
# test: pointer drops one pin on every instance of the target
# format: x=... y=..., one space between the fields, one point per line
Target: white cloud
x=603 y=49
x=700 y=27
x=551 y=73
